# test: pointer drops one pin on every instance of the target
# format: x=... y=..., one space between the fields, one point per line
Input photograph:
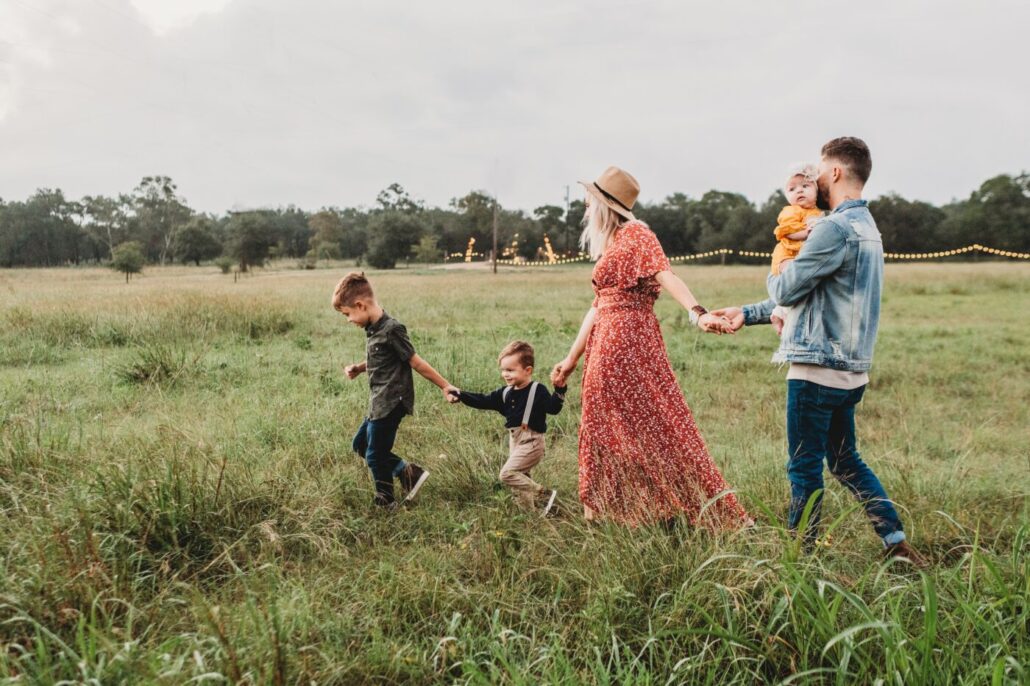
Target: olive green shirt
x=388 y=356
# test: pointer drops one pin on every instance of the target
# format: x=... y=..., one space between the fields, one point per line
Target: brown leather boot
x=411 y=480
x=903 y=551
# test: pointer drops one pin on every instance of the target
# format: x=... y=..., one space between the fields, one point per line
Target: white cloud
x=167 y=15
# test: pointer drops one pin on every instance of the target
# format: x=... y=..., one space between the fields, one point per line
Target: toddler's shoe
x=547 y=499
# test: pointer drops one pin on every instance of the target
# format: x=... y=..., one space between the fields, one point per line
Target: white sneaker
x=550 y=504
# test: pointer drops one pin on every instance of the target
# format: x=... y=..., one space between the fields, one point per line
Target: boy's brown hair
x=853 y=153
x=353 y=287
x=522 y=349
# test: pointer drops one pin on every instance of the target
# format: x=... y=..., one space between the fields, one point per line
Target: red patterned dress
x=641 y=458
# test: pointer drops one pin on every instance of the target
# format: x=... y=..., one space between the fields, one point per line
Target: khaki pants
x=525 y=450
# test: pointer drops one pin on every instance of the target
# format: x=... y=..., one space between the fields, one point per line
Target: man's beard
x=821 y=199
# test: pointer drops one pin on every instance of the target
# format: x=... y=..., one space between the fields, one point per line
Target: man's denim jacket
x=833 y=291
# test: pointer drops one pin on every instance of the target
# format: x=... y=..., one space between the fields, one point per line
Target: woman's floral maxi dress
x=641 y=458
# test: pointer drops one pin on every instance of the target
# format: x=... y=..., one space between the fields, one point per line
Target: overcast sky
x=324 y=102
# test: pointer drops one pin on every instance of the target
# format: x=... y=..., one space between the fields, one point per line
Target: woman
x=641 y=458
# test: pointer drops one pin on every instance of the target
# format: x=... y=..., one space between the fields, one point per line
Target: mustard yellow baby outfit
x=791 y=220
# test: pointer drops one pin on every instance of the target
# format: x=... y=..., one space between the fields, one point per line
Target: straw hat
x=616 y=189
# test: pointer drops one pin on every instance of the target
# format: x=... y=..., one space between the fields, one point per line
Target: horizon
x=528 y=211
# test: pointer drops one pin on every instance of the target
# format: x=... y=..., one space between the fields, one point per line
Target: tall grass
x=181 y=503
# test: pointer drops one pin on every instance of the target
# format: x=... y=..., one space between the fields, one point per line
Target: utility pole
x=495 y=234
x=566 y=232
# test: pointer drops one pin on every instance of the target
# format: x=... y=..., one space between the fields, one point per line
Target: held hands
x=734 y=317
x=561 y=372
x=712 y=322
x=451 y=393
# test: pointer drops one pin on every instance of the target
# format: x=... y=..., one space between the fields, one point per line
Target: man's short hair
x=522 y=349
x=352 y=288
x=853 y=154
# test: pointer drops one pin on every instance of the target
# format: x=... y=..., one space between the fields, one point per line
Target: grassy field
x=180 y=502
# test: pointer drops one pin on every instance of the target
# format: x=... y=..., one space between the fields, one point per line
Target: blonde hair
x=353 y=287
x=806 y=170
x=599 y=224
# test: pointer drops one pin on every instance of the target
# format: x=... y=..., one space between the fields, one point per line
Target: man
x=833 y=291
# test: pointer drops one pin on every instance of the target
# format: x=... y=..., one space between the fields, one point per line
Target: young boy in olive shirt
x=389 y=359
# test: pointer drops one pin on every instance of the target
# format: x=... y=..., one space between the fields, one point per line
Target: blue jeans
x=374 y=442
x=821 y=426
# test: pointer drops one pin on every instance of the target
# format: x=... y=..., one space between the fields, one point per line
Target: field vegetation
x=181 y=504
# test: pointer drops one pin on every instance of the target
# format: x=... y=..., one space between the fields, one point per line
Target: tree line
x=154 y=224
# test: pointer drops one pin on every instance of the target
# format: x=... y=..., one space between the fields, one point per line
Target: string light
x=553 y=259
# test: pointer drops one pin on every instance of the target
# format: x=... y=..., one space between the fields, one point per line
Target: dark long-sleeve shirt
x=514 y=406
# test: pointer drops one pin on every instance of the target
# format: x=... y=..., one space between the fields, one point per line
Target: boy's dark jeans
x=374 y=442
x=821 y=425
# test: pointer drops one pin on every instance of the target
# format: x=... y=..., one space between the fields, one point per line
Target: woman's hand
x=734 y=315
x=562 y=371
x=711 y=323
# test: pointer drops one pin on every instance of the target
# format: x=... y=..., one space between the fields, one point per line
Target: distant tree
x=515 y=225
x=393 y=233
x=290 y=231
x=762 y=237
x=573 y=227
x=250 y=238
x=449 y=228
x=106 y=220
x=196 y=241
x=550 y=216
x=476 y=212
x=355 y=233
x=42 y=231
x=49 y=229
x=997 y=215
x=395 y=198
x=158 y=213
x=711 y=219
x=427 y=250
x=327 y=233
x=552 y=223
x=907 y=225
x=670 y=221
x=127 y=258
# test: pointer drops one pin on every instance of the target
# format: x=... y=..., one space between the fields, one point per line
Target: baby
x=794 y=223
